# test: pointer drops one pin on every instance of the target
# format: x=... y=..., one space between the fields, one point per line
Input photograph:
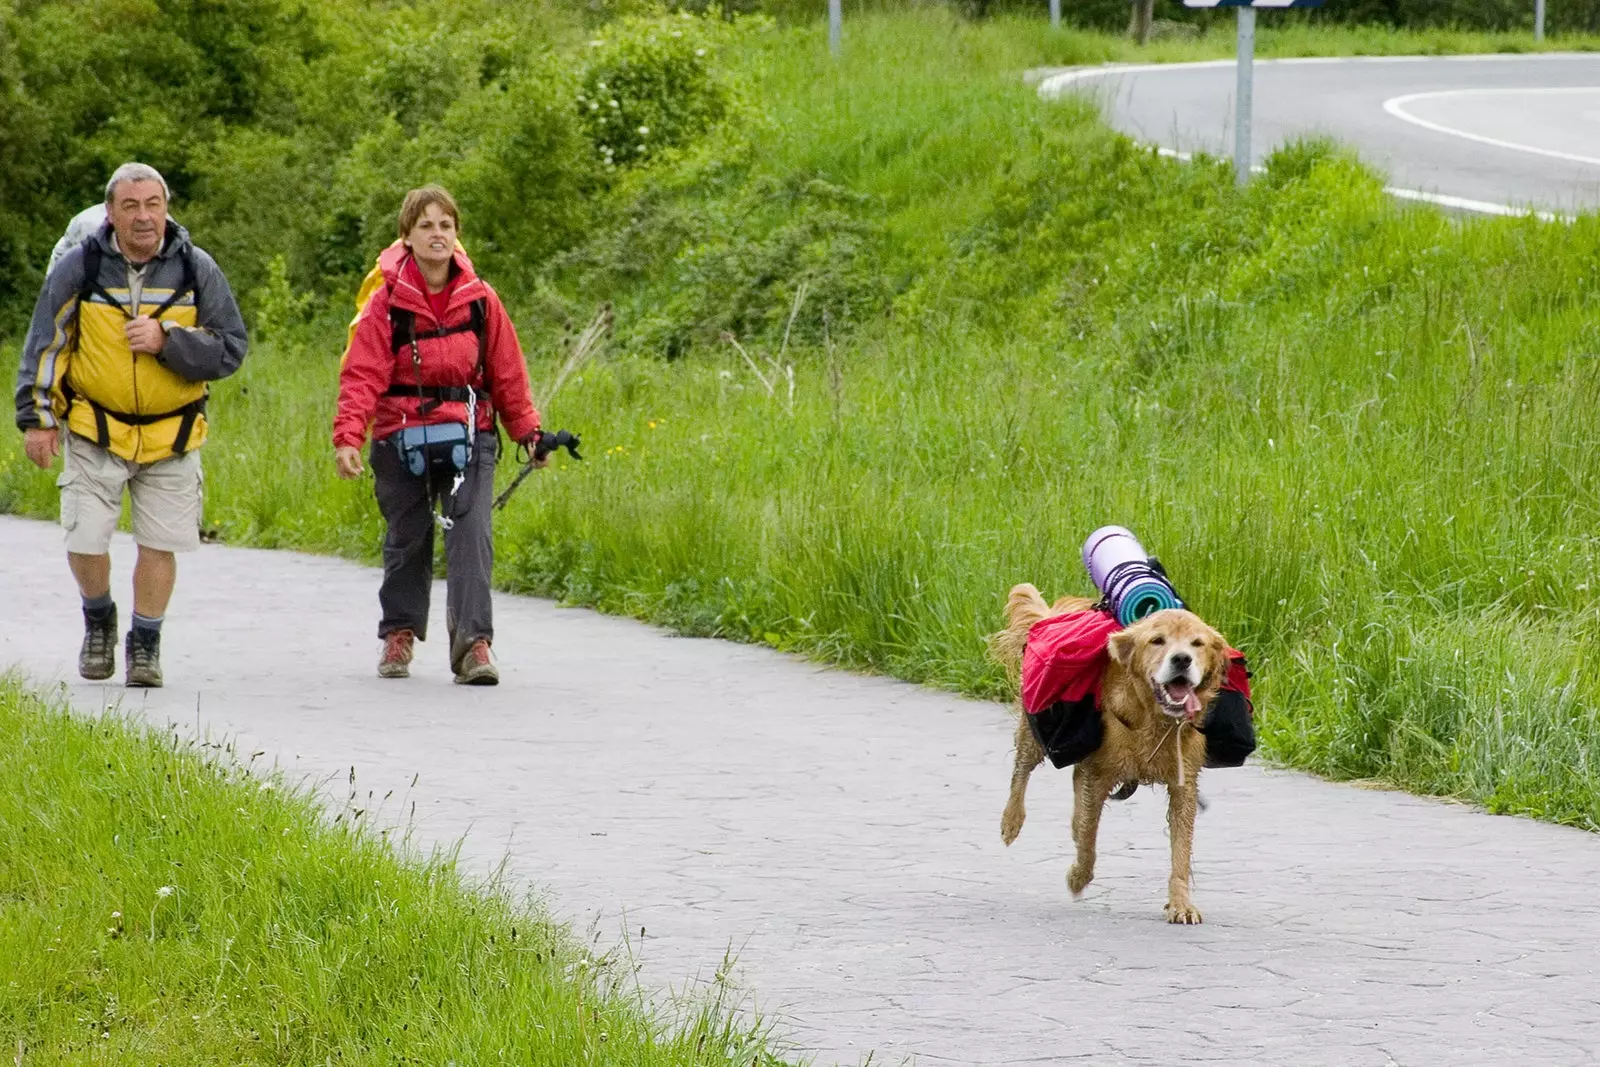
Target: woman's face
x=433 y=239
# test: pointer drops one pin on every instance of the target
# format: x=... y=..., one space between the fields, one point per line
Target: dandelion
x=644 y=131
x=166 y=891
x=699 y=51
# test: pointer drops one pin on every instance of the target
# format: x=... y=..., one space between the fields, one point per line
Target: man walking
x=129 y=327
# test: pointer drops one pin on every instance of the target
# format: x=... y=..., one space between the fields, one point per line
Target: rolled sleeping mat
x=1133 y=586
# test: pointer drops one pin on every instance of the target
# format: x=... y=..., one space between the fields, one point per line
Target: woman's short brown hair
x=417 y=201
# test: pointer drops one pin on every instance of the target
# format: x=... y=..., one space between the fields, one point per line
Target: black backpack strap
x=402 y=332
x=185 y=286
x=189 y=414
x=93 y=257
x=480 y=325
x=403 y=322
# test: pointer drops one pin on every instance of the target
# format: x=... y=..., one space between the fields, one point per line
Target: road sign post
x=835 y=25
x=1055 y=14
x=1244 y=94
x=1538 y=19
x=1244 y=91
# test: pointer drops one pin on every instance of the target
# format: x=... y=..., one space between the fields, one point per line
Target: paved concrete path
x=842 y=833
x=1492 y=130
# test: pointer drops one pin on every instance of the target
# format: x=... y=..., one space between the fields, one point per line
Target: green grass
x=1279 y=38
x=159 y=905
x=1360 y=434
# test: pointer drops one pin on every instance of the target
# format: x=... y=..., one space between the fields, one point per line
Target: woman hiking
x=433 y=360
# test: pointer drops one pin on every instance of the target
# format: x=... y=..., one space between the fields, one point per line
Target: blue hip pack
x=443 y=449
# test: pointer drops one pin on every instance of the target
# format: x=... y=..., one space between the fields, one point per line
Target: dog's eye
x=1197 y=643
x=1158 y=640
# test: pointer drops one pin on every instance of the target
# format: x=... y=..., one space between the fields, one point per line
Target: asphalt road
x=841 y=834
x=1497 y=131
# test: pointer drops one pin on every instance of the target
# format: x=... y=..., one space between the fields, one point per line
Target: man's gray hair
x=135 y=172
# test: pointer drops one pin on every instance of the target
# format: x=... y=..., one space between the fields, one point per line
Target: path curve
x=1485 y=133
x=841 y=831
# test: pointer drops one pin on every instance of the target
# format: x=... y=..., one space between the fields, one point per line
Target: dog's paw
x=1079 y=877
x=1183 y=914
x=1011 y=825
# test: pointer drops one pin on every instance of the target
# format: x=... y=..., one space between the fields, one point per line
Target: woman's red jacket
x=372 y=365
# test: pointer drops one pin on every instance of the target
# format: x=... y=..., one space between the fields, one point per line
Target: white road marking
x=1396 y=106
x=1057 y=84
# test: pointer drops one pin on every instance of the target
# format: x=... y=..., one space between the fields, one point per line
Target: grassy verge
x=158 y=906
x=1277 y=37
x=1359 y=434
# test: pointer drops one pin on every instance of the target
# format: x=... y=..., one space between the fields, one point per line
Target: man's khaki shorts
x=166 y=498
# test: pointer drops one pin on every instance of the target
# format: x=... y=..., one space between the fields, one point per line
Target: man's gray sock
x=141 y=622
x=99 y=607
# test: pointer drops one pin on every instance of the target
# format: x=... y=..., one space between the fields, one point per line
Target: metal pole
x=1055 y=13
x=1241 y=123
x=835 y=24
x=1538 y=20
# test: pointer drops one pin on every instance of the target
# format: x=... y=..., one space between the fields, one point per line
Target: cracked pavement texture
x=841 y=834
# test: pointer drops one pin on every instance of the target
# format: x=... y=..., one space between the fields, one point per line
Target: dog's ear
x=1120 y=645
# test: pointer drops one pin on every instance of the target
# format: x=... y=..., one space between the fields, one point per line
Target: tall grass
x=164 y=906
x=1360 y=435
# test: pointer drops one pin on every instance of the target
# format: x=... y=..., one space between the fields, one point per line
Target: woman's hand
x=347 y=461
x=531 y=443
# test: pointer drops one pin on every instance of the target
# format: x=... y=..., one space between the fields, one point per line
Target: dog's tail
x=1024 y=607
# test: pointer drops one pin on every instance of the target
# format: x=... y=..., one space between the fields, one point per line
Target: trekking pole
x=587 y=344
x=547 y=443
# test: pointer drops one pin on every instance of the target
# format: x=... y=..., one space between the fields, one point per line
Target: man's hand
x=347 y=461
x=145 y=335
x=41 y=446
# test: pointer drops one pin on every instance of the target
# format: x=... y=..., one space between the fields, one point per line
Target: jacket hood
x=391 y=258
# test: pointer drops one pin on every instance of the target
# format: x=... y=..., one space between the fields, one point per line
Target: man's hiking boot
x=477 y=666
x=144 y=658
x=97 y=659
x=396 y=659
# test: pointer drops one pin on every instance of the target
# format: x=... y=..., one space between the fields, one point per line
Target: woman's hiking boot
x=97 y=659
x=396 y=659
x=477 y=666
x=144 y=658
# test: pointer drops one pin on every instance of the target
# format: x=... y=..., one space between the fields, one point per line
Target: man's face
x=138 y=213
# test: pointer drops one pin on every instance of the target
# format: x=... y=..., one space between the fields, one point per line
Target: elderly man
x=129 y=327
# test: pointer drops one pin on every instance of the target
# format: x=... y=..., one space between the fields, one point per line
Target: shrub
x=650 y=87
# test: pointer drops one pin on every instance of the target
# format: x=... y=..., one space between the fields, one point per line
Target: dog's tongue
x=1185 y=692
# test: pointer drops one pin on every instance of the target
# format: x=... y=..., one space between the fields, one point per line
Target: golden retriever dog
x=1164 y=672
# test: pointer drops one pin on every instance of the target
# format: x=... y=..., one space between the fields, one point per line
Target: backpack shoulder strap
x=92 y=258
x=187 y=285
x=480 y=326
x=402 y=327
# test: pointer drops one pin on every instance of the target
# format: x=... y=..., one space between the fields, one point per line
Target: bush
x=649 y=87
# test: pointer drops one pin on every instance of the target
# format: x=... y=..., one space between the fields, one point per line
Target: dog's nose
x=1181 y=660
